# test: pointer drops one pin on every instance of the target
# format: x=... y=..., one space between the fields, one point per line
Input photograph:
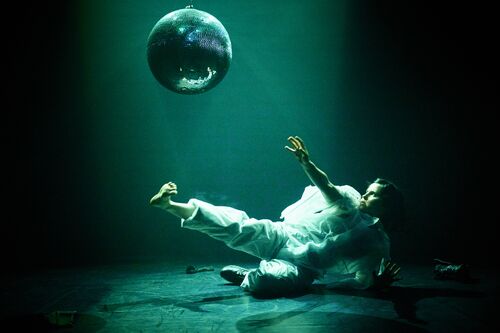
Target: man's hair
x=394 y=212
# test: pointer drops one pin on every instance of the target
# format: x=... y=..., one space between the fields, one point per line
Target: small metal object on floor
x=192 y=269
x=444 y=270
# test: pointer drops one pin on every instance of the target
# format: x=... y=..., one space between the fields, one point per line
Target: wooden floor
x=161 y=297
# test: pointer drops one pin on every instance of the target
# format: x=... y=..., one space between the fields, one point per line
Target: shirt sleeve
x=357 y=250
x=350 y=196
x=312 y=201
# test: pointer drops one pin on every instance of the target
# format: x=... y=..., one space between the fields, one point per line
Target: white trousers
x=261 y=238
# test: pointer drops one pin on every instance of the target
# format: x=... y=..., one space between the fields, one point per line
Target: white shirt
x=333 y=237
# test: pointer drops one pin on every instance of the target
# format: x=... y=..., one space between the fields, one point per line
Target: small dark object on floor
x=191 y=269
x=41 y=322
x=444 y=270
x=61 y=318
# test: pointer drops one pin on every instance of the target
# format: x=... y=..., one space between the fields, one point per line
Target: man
x=330 y=229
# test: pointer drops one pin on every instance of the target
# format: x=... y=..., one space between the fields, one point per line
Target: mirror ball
x=189 y=51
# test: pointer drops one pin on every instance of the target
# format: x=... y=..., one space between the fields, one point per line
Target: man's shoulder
x=348 y=190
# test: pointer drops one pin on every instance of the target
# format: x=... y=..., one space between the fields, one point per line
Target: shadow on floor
x=404 y=299
x=305 y=321
x=39 y=323
x=192 y=303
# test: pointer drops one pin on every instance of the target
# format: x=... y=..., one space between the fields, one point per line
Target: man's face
x=371 y=202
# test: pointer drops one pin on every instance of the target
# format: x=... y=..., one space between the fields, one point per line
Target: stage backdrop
x=379 y=89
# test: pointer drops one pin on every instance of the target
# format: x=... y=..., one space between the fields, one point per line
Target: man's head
x=385 y=201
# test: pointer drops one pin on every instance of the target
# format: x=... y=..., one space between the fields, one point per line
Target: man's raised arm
x=315 y=174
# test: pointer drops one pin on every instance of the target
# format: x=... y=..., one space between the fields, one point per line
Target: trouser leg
x=277 y=277
x=259 y=237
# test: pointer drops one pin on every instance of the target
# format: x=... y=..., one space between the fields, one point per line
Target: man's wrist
x=308 y=165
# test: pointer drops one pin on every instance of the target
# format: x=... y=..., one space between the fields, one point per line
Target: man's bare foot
x=162 y=198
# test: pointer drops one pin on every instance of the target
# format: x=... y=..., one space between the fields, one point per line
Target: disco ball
x=189 y=51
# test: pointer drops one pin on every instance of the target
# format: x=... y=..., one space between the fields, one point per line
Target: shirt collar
x=369 y=220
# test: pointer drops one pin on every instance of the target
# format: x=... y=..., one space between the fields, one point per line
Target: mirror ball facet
x=189 y=51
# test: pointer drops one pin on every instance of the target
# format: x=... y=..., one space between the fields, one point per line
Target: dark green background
x=375 y=88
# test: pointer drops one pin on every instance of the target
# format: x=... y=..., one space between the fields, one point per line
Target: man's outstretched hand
x=299 y=149
x=388 y=274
